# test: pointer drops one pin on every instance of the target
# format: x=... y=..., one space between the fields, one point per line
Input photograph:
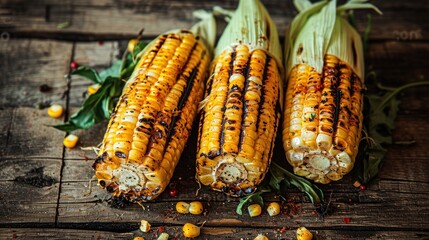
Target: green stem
x=398 y=90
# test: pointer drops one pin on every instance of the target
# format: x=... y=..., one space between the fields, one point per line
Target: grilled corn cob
x=241 y=110
x=324 y=98
x=152 y=121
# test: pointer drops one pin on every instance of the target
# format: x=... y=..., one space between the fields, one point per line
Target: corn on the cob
x=240 y=112
x=152 y=121
x=324 y=98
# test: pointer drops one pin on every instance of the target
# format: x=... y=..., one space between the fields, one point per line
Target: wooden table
x=45 y=187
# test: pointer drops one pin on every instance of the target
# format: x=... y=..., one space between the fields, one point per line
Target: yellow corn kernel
x=323 y=119
x=239 y=121
x=55 y=111
x=70 y=141
x=131 y=44
x=163 y=236
x=144 y=226
x=152 y=121
x=138 y=238
x=182 y=207
x=196 y=208
x=356 y=184
x=254 y=210
x=93 y=88
x=273 y=209
x=190 y=230
x=261 y=237
x=302 y=233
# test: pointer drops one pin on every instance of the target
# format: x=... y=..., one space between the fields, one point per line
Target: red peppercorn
x=362 y=187
x=100 y=43
x=174 y=192
x=14 y=235
x=346 y=220
x=74 y=65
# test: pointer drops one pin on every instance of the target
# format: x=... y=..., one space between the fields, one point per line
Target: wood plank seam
x=66 y=117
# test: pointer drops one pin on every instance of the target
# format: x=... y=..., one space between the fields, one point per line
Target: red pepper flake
x=14 y=235
x=282 y=230
x=347 y=220
x=160 y=229
x=100 y=43
x=362 y=187
x=314 y=212
x=74 y=65
x=173 y=192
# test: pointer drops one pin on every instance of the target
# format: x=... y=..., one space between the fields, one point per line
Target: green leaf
x=95 y=109
x=382 y=108
x=254 y=197
x=280 y=175
x=88 y=73
x=113 y=71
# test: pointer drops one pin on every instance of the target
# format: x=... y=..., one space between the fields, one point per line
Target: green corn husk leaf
x=252 y=25
x=322 y=28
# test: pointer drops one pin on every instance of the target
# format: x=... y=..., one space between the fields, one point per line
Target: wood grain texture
x=46 y=189
x=119 y=20
x=29 y=64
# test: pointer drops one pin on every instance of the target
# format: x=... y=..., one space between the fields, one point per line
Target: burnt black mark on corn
x=222 y=132
x=182 y=101
x=245 y=103
x=262 y=101
x=169 y=131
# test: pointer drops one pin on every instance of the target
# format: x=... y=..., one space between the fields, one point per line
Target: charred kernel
x=196 y=208
x=182 y=207
x=254 y=210
x=190 y=230
x=273 y=209
x=144 y=226
x=303 y=233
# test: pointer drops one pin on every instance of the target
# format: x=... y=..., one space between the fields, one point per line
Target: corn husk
x=322 y=28
x=252 y=25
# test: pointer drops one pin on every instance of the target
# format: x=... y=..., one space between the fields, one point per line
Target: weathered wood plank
x=384 y=208
x=29 y=135
x=58 y=234
x=207 y=233
x=29 y=64
x=106 y=19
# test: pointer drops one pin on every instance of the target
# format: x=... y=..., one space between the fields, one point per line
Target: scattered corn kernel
x=190 y=230
x=55 y=111
x=254 y=210
x=138 y=238
x=182 y=207
x=93 y=88
x=261 y=237
x=144 y=226
x=163 y=236
x=70 y=141
x=356 y=184
x=302 y=233
x=196 y=208
x=131 y=44
x=273 y=209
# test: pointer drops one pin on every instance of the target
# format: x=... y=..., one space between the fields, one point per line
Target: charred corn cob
x=152 y=121
x=324 y=98
x=241 y=110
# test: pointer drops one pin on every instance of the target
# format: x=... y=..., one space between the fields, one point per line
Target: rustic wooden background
x=45 y=191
